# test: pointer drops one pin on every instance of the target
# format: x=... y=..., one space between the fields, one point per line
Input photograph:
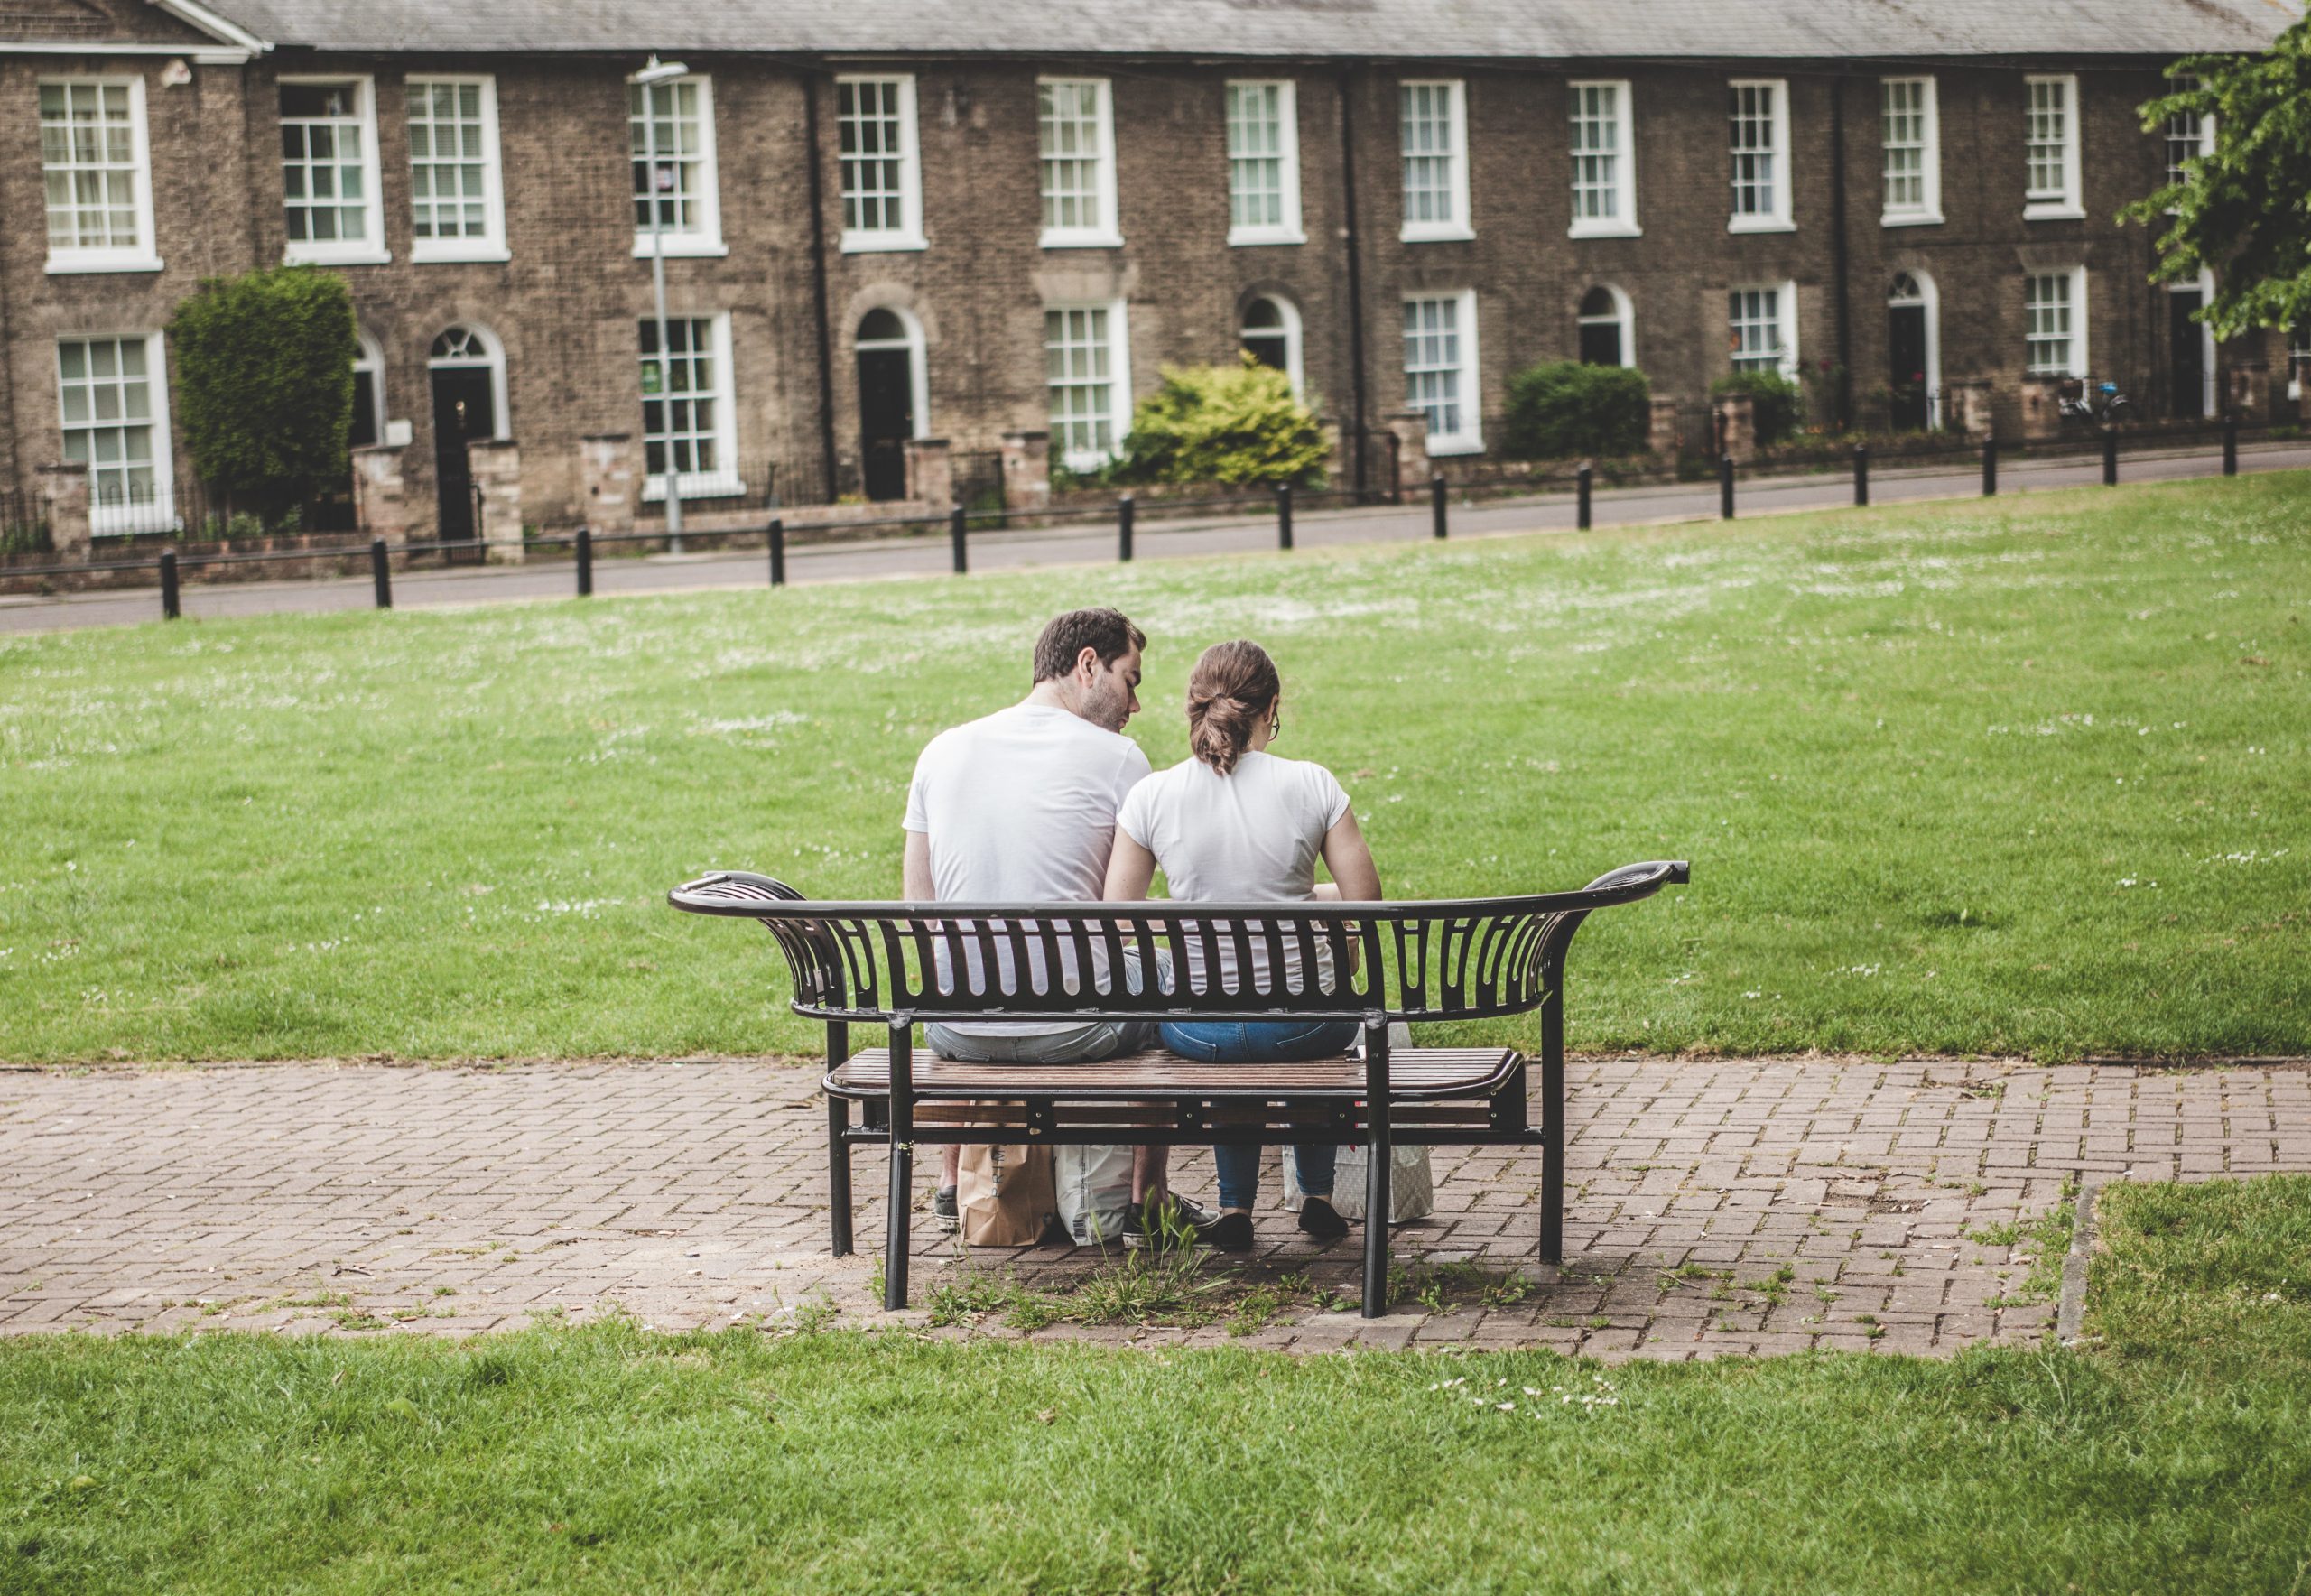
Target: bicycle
x=2106 y=405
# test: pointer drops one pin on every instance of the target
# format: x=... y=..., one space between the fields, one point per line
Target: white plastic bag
x=1412 y=1188
x=1094 y=1188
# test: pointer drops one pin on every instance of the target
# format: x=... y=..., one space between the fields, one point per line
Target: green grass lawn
x=2176 y=1456
x=2025 y=775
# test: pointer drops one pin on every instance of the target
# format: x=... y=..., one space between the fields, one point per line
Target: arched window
x=368 y=394
x=1913 y=353
x=1271 y=335
x=2299 y=360
x=1607 y=335
x=470 y=348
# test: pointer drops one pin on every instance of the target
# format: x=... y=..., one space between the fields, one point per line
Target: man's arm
x=915 y=869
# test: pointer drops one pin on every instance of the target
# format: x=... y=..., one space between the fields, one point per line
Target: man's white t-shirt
x=1251 y=836
x=1020 y=807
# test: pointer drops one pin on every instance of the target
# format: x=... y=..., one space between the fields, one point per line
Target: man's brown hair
x=1068 y=636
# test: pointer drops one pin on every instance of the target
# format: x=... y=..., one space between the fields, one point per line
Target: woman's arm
x=1346 y=857
x=1131 y=871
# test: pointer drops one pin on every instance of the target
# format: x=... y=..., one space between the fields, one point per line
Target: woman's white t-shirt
x=1251 y=836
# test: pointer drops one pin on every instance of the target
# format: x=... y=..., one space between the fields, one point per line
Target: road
x=927 y=554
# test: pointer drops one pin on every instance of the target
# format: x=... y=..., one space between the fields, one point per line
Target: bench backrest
x=1457 y=960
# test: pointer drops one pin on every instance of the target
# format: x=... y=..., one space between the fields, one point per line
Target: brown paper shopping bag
x=1004 y=1193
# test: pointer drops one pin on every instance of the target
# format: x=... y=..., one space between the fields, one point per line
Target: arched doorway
x=468 y=367
x=890 y=400
x=1604 y=322
x=1270 y=334
x=1913 y=362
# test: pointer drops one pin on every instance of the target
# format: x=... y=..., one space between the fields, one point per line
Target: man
x=1020 y=806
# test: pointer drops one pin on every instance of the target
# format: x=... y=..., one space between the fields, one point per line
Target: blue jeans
x=1273 y=1042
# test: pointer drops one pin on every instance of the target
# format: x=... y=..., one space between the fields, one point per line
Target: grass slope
x=2175 y=1459
x=2028 y=774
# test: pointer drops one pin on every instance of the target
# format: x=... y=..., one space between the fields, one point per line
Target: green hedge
x=1236 y=425
x=264 y=385
x=1565 y=409
x=1777 y=403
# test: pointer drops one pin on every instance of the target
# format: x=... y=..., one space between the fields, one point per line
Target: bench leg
x=838 y=1172
x=1552 y=1160
x=901 y=1199
x=1378 y=1161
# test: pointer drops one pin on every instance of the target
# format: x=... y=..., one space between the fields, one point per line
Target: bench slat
x=1414 y=1073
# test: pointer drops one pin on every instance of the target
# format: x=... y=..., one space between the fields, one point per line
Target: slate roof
x=1460 y=30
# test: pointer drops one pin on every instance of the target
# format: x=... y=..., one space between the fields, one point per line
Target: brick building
x=933 y=220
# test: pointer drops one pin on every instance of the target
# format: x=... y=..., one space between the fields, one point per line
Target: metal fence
x=1124 y=513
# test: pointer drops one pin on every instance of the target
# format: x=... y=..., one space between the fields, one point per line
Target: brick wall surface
x=566 y=307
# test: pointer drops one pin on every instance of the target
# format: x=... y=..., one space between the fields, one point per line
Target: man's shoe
x=1187 y=1219
x=1320 y=1219
x=942 y=1210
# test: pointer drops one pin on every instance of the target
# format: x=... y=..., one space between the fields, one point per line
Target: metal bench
x=882 y=963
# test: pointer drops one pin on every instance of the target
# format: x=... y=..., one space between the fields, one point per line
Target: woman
x=1235 y=824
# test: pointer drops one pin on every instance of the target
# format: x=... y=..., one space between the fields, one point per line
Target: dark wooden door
x=2189 y=340
x=464 y=407
x=1905 y=366
x=885 y=420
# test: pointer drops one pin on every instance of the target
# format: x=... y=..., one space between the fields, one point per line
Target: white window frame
x=2078 y=365
x=369 y=250
x=2298 y=359
x=918 y=359
x=2201 y=140
x=127 y=520
x=1289 y=314
x=369 y=371
x=1459 y=224
x=1929 y=295
x=1119 y=386
x=908 y=234
x=1622 y=223
x=2049 y=204
x=2203 y=286
x=1289 y=230
x=1624 y=319
x=724 y=480
x=1103 y=233
x=1778 y=218
x=1784 y=310
x=705 y=240
x=1927 y=212
x=144 y=255
x=491 y=245
x=1470 y=439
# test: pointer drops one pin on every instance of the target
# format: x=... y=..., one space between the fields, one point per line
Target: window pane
x=1757 y=153
x=320 y=162
x=1434 y=381
x=685 y=429
x=88 y=164
x=668 y=139
x=1596 y=144
x=447 y=163
x=1077 y=367
x=1430 y=152
x=1072 y=180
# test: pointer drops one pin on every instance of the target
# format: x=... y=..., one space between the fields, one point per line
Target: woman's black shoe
x=1320 y=1219
x=1231 y=1232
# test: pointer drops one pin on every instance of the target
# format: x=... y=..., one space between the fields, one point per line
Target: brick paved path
x=333 y=1197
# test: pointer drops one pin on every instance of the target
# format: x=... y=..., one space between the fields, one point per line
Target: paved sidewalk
x=926 y=553
x=352 y=1198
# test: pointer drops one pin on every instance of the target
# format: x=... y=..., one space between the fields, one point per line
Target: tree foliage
x=1563 y=409
x=264 y=384
x=2243 y=212
x=1236 y=425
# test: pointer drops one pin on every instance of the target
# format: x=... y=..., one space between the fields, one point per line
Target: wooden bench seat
x=1415 y=1073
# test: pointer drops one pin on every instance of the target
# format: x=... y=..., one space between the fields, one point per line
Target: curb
x=2071 y=1314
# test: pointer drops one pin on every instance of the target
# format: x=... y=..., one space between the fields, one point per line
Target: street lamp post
x=652 y=74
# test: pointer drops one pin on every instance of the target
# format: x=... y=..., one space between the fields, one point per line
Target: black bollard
x=1583 y=482
x=778 y=552
x=2110 y=457
x=585 y=562
x=1284 y=515
x=2230 y=444
x=1990 y=467
x=1127 y=513
x=381 y=573
x=1726 y=486
x=170 y=606
x=1861 y=473
x=1436 y=504
x=958 y=531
